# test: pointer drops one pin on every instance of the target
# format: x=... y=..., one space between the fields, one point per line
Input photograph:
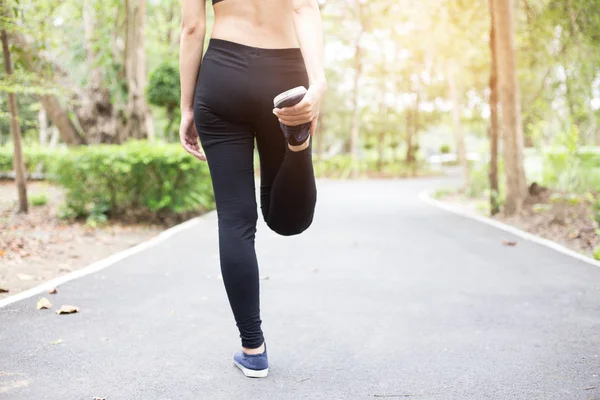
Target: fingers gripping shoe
x=252 y=365
x=298 y=134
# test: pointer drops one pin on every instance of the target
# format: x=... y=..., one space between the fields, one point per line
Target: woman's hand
x=307 y=110
x=188 y=135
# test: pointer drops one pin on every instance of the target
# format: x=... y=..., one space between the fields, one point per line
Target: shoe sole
x=288 y=94
x=251 y=373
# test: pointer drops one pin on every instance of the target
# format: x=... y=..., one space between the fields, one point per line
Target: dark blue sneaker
x=252 y=365
x=295 y=135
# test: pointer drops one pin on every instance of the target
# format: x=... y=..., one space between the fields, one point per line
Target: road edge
x=426 y=197
x=102 y=263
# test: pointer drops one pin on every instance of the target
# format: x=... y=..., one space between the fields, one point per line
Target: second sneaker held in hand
x=295 y=135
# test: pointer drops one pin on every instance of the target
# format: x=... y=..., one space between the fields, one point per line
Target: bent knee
x=289 y=229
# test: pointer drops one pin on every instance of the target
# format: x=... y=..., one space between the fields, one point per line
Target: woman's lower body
x=232 y=108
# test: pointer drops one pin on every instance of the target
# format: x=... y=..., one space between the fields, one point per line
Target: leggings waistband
x=254 y=51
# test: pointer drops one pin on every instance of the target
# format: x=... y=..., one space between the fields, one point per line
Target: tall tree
x=15 y=128
x=96 y=114
x=358 y=68
x=459 y=133
x=138 y=125
x=512 y=130
x=57 y=113
x=493 y=127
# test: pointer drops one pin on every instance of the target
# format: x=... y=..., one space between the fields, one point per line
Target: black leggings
x=232 y=106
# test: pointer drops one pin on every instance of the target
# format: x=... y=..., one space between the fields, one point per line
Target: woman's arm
x=309 y=32
x=191 y=45
x=193 y=30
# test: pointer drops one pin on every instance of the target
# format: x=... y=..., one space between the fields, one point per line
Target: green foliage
x=37 y=159
x=445 y=149
x=596 y=209
x=66 y=213
x=137 y=178
x=479 y=181
x=569 y=168
x=565 y=198
x=597 y=253
x=38 y=200
x=164 y=86
x=541 y=208
x=441 y=193
x=97 y=215
x=164 y=91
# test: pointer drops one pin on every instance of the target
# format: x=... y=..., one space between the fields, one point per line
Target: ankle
x=300 y=147
x=258 y=350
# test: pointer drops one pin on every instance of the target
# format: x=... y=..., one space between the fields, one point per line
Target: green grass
x=597 y=253
x=441 y=193
x=38 y=200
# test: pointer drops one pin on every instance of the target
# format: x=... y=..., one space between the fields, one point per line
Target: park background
x=89 y=115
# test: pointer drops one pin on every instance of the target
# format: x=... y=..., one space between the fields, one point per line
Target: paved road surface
x=385 y=295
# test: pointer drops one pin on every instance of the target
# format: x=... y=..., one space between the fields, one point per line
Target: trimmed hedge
x=139 y=178
x=37 y=159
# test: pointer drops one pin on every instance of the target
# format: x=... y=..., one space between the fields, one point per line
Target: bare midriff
x=256 y=23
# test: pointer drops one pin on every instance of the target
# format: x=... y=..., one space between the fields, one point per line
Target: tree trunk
x=137 y=125
x=409 y=137
x=508 y=85
x=382 y=118
x=459 y=134
x=493 y=128
x=355 y=128
x=54 y=137
x=380 y=149
x=15 y=129
x=60 y=118
x=412 y=128
x=96 y=114
x=44 y=132
x=172 y=39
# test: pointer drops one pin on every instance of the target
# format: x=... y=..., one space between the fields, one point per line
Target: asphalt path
x=383 y=296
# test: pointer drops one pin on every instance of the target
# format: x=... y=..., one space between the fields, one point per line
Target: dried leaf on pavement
x=52 y=291
x=43 y=303
x=67 y=310
x=2 y=290
x=509 y=242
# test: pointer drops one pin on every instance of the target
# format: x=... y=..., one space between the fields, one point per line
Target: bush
x=443 y=192
x=597 y=253
x=38 y=200
x=137 y=178
x=571 y=168
x=479 y=180
x=164 y=91
x=37 y=159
